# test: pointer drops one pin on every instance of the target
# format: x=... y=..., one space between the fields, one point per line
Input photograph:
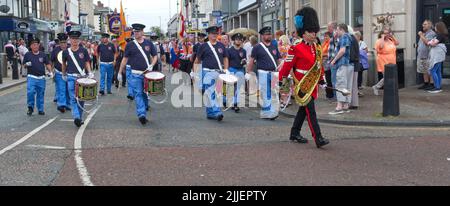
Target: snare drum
x=86 y=89
x=225 y=82
x=155 y=83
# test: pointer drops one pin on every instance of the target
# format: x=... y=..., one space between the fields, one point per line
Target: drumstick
x=344 y=92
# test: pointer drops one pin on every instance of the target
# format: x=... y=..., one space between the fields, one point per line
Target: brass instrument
x=304 y=88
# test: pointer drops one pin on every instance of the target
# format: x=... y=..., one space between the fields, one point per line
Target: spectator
x=327 y=68
x=332 y=27
x=225 y=40
x=363 y=59
x=386 y=48
x=10 y=50
x=355 y=62
x=437 y=56
x=345 y=70
x=22 y=51
x=423 y=52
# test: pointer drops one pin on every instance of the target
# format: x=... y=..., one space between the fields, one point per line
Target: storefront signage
x=23 y=25
x=216 y=13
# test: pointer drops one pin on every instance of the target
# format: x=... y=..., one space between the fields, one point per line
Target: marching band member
x=107 y=54
x=36 y=63
x=154 y=38
x=267 y=58
x=137 y=55
x=238 y=59
x=76 y=63
x=62 y=93
x=214 y=59
x=304 y=62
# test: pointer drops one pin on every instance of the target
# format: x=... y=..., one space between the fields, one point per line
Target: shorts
x=423 y=66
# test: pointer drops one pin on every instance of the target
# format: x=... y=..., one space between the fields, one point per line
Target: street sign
x=54 y=25
x=216 y=13
x=201 y=16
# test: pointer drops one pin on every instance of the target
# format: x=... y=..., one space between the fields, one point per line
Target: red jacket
x=300 y=57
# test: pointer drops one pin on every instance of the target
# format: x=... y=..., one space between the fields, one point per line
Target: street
x=180 y=147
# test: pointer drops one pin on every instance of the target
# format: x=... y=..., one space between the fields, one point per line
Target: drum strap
x=142 y=52
x=215 y=54
x=76 y=63
x=270 y=55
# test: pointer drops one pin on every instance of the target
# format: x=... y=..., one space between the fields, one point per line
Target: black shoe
x=275 y=118
x=424 y=86
x=30 y=111
x=298 y=138
x=430 y=87
x=130 y=98
x=143 y=120
x=109 y=92
x=78 y=122
x=62 y=109
x=353 y=108
x=41 y=113
x=68 y=109
x=102 y=93
x=54 y=101
x=320 y=142
x=237 y=109
x=220 y=118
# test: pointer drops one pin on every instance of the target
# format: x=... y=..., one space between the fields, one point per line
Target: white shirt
x=248 y=48
x=22 y=51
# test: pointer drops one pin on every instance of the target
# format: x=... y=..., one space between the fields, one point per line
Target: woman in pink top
x=386 y=48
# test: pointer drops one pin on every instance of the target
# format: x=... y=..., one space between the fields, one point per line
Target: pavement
x=417 y=108
x=8 y=82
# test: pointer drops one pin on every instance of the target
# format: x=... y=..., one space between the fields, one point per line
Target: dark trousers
x=309 y=113
x=330 y=92
x=186 y=66
x=360 y=78
x=94 y=63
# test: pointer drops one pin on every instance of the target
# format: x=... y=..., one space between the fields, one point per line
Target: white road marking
x=26 y=137
x=47 y=147
x=66 y=120
x=82 y=170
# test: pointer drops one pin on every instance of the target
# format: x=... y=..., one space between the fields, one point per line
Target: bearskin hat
x=306 y=20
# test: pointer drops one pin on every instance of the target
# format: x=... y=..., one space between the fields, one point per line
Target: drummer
x=140 y=64
x=76 y=63
x=267 y=58
x=213 y=63
x=238 y=59
x=62 y=93
x=36 y=63
x=107 y=57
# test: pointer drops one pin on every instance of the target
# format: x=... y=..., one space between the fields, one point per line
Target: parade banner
x=114 y=23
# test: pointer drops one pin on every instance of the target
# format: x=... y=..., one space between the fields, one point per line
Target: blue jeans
x=270 y=101
x=213 y=110
x=137 y=84
x=436 y=73
x=36 y=89
x=62 y=92
x=240 y=74
x=128 y=74
x=106 y=74
x=77 y=111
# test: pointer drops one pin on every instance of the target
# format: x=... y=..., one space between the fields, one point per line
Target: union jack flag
x=67 y=23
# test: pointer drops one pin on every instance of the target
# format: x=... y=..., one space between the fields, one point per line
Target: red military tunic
x=300 y=57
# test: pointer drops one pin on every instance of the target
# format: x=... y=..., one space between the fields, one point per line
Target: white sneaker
x=336 y=112
x=375 y=91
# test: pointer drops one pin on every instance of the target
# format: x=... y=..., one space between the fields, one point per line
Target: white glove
x=28 y=64
x=323 y=86
x=119 y=77
x=91 y=75
x=64 y=77
x=248 y=76
x=150 y=69
x=50 y=74
x=227 y=72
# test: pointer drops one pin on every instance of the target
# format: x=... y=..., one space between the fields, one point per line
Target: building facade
x=23 y=19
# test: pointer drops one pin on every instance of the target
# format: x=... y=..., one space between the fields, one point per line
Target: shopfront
x=270 y=13
x=436 y=10
x=14 y=28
